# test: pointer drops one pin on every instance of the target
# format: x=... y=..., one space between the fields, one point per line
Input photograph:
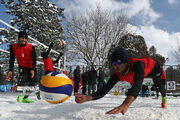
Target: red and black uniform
x=48 y=63
x=26 y=59
x=139 y=69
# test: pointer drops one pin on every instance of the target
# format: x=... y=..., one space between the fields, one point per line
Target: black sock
x=26 y=96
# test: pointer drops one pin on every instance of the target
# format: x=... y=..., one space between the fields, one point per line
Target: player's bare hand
x=120 y=109
x=32 y=73
x=8 y=76
x=79 y=98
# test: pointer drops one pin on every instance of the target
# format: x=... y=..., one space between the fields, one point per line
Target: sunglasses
x=116 y=63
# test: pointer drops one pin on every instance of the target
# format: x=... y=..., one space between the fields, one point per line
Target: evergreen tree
x=152 y=50
x=41 y=19
x=134 y=44
x=137 y=48
x=156 y=56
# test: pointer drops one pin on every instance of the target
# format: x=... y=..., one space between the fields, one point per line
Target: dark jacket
x=76 y=75
x=92 y=77
x=85 y=77
x=101 y=76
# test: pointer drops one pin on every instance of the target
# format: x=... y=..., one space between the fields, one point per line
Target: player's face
x=22 y=40
x=120 y=67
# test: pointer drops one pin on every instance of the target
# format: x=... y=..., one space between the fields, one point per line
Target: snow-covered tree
x=152 y=50
x=41 y=19
x=153 y=54
x=177 y=52
x=134 y=44
x=93 y=32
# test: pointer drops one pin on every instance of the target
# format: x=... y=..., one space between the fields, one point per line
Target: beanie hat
x=120 y=55
x=22 y=34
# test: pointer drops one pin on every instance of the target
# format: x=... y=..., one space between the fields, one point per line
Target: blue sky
x=170 y=15
x=158 y=21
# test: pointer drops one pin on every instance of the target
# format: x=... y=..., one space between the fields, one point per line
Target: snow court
x=142 y=109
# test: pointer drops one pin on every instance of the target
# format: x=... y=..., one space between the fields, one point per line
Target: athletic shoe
x=27 y=100
x=164 y=102
x=38 y=95
x=20 y=98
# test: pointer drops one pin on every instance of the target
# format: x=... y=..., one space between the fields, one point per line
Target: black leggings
x=156 y=74
x=25 y=77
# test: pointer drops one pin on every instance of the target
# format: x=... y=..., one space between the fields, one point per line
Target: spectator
x=101 y=81
x=76 y=79
x=92 y=81
x=85 y=82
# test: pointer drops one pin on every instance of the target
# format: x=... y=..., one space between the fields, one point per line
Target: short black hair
x=22 y=34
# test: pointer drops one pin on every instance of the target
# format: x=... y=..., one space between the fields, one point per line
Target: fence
x=172 y=73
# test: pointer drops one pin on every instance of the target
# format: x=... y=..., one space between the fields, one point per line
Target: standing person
x=26 y=58
x=76 y=79
x=101 y=81
x=130 y=70
x=92 y=81
x=85 y=82
x=48 y=63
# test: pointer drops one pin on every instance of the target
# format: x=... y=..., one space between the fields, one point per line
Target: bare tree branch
x=94 y=32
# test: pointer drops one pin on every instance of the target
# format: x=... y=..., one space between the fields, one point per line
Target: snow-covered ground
x=142 y=109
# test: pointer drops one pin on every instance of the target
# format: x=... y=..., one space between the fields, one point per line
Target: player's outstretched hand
x=120 y=109
x=61 y=54
x=79 y=98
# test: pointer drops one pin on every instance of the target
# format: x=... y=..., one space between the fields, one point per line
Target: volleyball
x=55 y=87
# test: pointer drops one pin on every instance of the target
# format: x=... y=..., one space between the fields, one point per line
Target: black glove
x=61 y=54
x=51 y=44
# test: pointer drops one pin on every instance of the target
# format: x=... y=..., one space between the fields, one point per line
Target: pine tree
x=152 y=50
x=153 y=54
x=41 y=19
x=134 y=44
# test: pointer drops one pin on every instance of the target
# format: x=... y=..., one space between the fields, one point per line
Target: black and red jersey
x=48 y=64
x=139 y=69
x=25 y=55
x=149 y=64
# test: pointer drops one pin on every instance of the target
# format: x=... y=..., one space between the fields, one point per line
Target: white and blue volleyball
x=55 y=87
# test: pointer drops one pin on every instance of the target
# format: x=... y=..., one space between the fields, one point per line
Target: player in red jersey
x=133 y=71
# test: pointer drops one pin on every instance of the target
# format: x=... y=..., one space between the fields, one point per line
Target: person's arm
x=11 y=63
x=110 y=84
x=12 y=59
x=99 y=94
x=49 y=49
x=34 y=58
x=138 y=69
x=56 y=61
x=33 y=53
